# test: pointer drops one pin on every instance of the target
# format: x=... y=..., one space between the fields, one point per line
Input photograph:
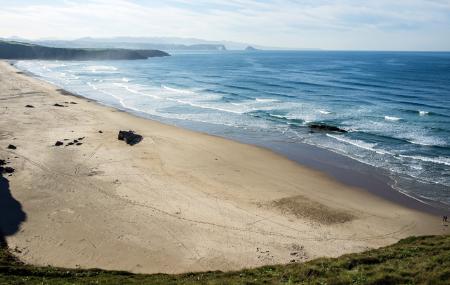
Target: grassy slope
x=415 y=260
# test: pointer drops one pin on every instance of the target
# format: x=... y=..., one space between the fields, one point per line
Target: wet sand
x=178 y=201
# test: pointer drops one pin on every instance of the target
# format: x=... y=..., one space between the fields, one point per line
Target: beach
x=178 y=201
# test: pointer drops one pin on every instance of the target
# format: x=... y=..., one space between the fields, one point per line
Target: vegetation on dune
x=415 y=260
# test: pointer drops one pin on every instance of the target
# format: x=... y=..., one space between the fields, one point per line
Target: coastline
x=344 y=169
x=178 y=201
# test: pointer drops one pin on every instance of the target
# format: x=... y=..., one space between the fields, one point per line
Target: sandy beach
x=178 y=201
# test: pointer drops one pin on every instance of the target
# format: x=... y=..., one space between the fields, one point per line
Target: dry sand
x=178 y=201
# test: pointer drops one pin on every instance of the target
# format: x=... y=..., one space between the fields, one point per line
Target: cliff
x=18 y=50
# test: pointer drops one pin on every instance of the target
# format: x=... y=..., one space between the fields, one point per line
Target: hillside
x=415 y=260
x=134 y=45
x=18 y=50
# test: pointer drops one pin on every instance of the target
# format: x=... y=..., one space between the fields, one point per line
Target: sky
x=324 y=24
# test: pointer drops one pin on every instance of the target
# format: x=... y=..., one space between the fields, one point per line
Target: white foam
x=421 y=142
x=176 y=90
x=92 y=86
x=206 y=106
x=131 y=90
x=183 y=101
x=358 y=143
x=53 y=65
x=324 y=112
x=421 y=138
x=423 y=113
x=439 y=159
x=124 y=79
x=391 y=118
x=278 y=116
x=265 y=100
x=100 y=68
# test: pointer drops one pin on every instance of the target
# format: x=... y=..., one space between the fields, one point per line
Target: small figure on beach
x=444 y=219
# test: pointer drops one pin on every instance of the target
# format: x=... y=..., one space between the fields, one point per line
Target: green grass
x=415 y=260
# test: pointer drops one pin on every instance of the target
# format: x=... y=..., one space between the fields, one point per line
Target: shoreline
x=342 y=168
x=178 y=201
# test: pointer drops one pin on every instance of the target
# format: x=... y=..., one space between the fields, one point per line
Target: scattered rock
x=6 y=169
x=81 y=138
x=326 y=128
x=58 y=143
x=29 y=106
x=75 y=141
x=73 y=103
x=58 y=105
x=129 y=137
x=2 y=162
x=66 y=139
x=101 y=132
x=79 y=143
x=11 y=146
x=71 y=143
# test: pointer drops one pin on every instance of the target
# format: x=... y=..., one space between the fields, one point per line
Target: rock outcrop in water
x=326 y=128
x=17 y=50
x=250 y=48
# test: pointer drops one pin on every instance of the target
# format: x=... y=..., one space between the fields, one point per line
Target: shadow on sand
x=11 y=213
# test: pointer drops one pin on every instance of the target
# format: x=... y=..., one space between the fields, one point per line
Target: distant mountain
x=172 y=43
x=250 y=48
x=160 y=43
x=20 y=50
x=131 y=43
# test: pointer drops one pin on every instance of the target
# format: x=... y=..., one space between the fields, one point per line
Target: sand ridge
x=178 y=201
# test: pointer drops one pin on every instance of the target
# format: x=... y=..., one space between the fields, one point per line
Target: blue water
x=396 y=106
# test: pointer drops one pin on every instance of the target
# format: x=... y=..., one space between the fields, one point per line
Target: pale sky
x=342 y=24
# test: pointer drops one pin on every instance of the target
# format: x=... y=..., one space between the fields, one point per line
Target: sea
x=395 y=106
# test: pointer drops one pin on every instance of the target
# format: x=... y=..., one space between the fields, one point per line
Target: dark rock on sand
x=71 y=143
x=73 y=103
x=79 y=143
x=2 y=162
x=29 y=106
x=58 y=105
x=6 y=169
x=101 y=132
x=11 y=146
x=326 y=128
x=129 y=137
x=58 y=143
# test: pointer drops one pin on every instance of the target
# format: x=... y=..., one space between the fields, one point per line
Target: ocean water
x=394 y=105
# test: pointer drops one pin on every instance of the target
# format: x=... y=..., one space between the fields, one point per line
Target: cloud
x=296 y=23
